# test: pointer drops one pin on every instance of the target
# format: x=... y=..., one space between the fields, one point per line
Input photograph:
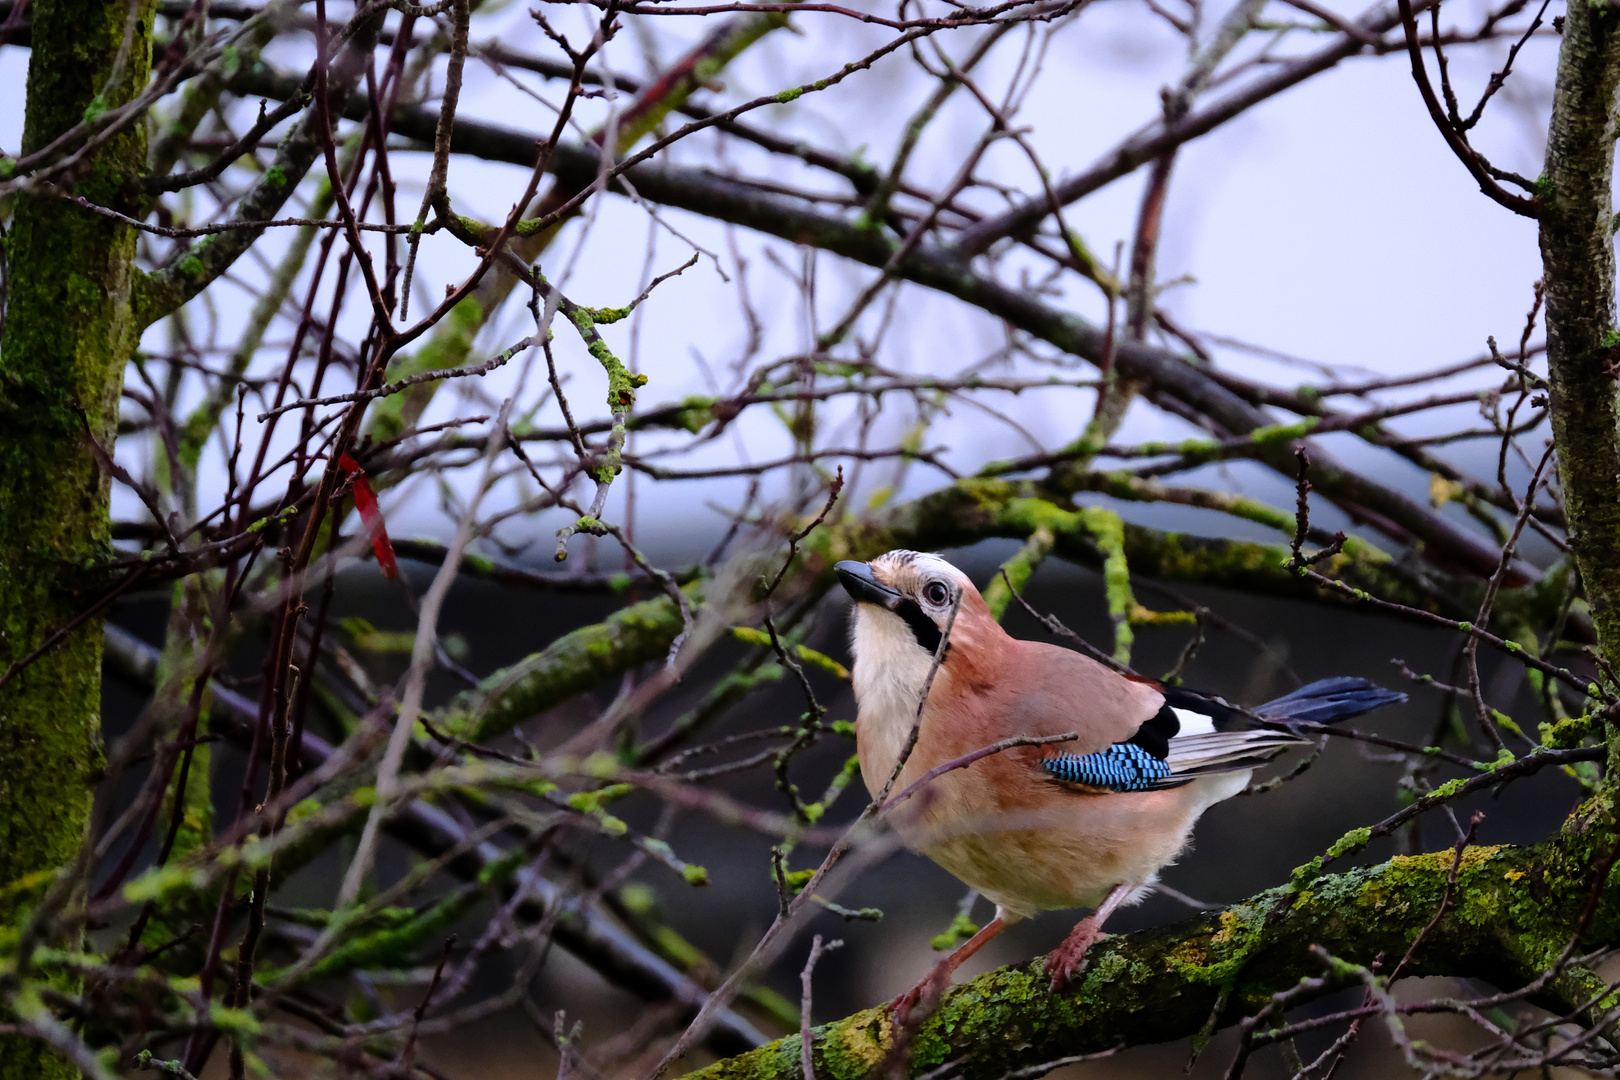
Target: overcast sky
x=1330 y=222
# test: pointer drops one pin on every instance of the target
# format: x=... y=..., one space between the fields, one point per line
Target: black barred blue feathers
x=1164 y=753
x=1121 y=767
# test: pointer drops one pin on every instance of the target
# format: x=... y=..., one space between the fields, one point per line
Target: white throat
x=890 y=669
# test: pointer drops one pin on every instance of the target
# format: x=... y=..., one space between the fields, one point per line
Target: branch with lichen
x=958 y=515
x=1517 y=912
x=621 y=399
x=1016 y=571
x=450 y=343
x=191 y=270
x=391 y=931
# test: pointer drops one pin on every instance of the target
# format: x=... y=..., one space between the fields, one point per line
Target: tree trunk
x=1583 y=349
x=69 y=331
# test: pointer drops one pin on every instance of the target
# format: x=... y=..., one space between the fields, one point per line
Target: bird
x=1084 y=822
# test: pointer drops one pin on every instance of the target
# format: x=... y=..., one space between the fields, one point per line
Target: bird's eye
x=936 y=593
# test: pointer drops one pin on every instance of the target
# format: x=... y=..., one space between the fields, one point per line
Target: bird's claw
x=1069 y=959
x=900 y=1008
x=918 y=1002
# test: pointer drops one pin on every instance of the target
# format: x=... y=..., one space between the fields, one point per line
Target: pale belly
x=1076 y=853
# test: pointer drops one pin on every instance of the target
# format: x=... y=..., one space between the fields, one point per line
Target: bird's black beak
x=857 y=579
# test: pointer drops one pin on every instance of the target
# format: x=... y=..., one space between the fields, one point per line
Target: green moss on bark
x=69 y=332
x=1577 y=250
x=568 y=666
x=448 y=346
x=974 y=509
x=1519 y=907
x=1018 y=571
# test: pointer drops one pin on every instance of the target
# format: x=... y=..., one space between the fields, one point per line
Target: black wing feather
x=1155 y=734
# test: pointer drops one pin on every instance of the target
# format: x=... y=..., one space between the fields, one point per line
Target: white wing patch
x=1193 y=723
x=1199 y=749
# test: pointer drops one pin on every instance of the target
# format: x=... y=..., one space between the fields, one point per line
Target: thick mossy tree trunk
x=1583 y=348
x=68 y=333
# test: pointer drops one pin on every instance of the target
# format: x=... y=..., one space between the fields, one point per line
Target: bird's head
x=903 y=603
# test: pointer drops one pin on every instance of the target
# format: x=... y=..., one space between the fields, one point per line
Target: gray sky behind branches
x=1330 y=222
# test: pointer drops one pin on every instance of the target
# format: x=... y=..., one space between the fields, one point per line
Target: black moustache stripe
x=922 y=627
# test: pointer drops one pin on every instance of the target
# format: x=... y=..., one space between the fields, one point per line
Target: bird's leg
x=934 y=983
x=1069 y=959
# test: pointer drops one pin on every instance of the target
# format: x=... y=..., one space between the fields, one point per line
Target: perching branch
x=1160 y=985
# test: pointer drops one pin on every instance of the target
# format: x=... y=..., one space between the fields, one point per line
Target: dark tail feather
x=1327 y=701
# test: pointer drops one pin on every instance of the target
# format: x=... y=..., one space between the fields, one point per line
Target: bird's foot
x=1069 y=959
x=918 y=1003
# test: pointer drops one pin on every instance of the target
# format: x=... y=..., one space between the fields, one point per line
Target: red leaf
x=365 y=501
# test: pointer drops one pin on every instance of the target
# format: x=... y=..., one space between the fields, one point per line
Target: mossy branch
x=1016 y=571
x=963 y=513
x=69 y=332
x=1108 y=532
x=450 y=343
x=190 y=271
x=390 y=932
x=1513 y=912
x=568 y=666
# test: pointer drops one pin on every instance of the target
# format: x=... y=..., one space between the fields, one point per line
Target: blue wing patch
x=1121 y=767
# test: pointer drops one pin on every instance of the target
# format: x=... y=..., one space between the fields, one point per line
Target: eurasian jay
x=1087 y=823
